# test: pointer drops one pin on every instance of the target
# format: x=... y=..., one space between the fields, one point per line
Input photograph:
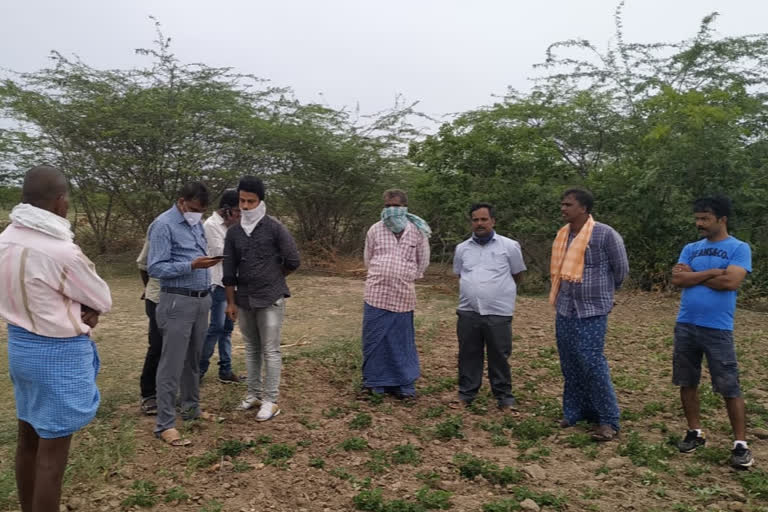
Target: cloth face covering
x=395 y=218
x=250 y=218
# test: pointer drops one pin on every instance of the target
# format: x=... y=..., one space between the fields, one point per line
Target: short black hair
x=195 y=190
x=720 y=206
x=582 y=195
x=477 y=206
x=253 y=185
x=43 y=184
x=229 y=199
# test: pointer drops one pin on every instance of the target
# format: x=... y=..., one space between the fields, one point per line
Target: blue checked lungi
x=390 y=359
x=587 y=389
x=54 y=381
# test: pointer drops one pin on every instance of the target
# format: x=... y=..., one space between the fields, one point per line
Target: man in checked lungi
x=52 y=298
x=396 y=254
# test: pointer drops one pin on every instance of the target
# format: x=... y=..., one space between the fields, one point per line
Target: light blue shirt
x=486 y=285
x=704 y=306
x=173 y=245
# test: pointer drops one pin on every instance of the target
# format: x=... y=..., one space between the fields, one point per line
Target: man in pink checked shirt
x=396 y=254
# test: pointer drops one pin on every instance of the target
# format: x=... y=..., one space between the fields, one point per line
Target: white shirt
x=486 y=285
x=215 y=232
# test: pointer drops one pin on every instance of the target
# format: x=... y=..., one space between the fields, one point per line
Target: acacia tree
x=128 y=139
x=648 y=126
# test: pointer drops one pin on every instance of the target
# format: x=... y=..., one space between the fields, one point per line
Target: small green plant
x=360 y=421
x=434 y=499
x=376 y=398
x=263 y=439
x=378 y=462
x=402 y=506
x=592 y=493
x=529 y=428
x=503 y=505
x=333 y=412
x=316 y=462
x=499 y=440
x=430 y=478
x=449 y=429
x=143 y=495
x=240 y=466
x=208 y=458
x=543 y=499
x=406 y=454
x=279 y=453
x=435 y=411
x=175 y=494
x=651 y=455
x=712 y=454
x=506 y=475
x=233 y=447
x=304 y=443
x=695 y=470
x=755 y=482
x=342 y=473
x=354 y=444
x=369 y=500
x=212 y=506
x=308 y=424
x=579 y=440
x=440 y=385
x=469 y=466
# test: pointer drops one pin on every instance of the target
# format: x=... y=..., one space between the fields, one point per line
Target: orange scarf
x=568 y=262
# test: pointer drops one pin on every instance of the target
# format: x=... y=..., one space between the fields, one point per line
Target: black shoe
x=692 y=441
x=741 y=457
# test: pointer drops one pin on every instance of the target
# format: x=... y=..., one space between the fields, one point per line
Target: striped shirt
x=45 y=280
x=173 y=245
x=393 y=265
x=605 y=267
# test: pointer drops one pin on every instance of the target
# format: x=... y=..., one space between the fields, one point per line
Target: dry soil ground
x=330 y=451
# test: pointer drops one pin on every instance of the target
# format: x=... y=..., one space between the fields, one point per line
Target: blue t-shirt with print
x=701 y=305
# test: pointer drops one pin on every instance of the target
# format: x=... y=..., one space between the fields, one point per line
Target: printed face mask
x=394 y=217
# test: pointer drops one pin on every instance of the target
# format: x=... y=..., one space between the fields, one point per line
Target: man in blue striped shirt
x=178 y=258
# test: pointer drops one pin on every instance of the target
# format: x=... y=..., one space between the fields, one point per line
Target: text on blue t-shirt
x=701 y=305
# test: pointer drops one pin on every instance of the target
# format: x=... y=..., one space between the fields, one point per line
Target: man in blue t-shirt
x=710 y=271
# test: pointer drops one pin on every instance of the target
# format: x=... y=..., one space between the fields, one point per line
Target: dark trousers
x=478 y=333
x=149 y=372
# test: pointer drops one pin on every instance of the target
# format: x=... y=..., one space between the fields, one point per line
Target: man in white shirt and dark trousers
x=490 y=267
x=221 y=326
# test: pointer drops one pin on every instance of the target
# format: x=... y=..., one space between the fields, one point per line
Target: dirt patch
x=327 y=447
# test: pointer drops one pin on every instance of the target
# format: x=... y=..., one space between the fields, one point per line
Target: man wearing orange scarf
x=588 y=264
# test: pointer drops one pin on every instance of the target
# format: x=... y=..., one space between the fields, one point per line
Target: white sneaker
x=268 y=411
x=249 y=403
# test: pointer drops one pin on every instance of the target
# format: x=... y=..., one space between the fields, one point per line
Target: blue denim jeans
x=219 y=331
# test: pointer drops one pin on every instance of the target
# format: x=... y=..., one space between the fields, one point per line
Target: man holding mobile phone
x=178 y=258
x=221 y=326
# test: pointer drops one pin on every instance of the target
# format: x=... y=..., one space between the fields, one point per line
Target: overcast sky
x=451 y=55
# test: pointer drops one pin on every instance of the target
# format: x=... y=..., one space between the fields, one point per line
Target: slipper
x=604 y=433
x=172 y=437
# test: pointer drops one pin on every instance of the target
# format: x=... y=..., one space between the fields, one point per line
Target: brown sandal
x=604 y=433
x=172 y=437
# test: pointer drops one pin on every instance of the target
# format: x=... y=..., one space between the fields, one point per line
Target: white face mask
x=193 y=218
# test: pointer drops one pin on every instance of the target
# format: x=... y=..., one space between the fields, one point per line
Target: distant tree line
x=647 y=126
